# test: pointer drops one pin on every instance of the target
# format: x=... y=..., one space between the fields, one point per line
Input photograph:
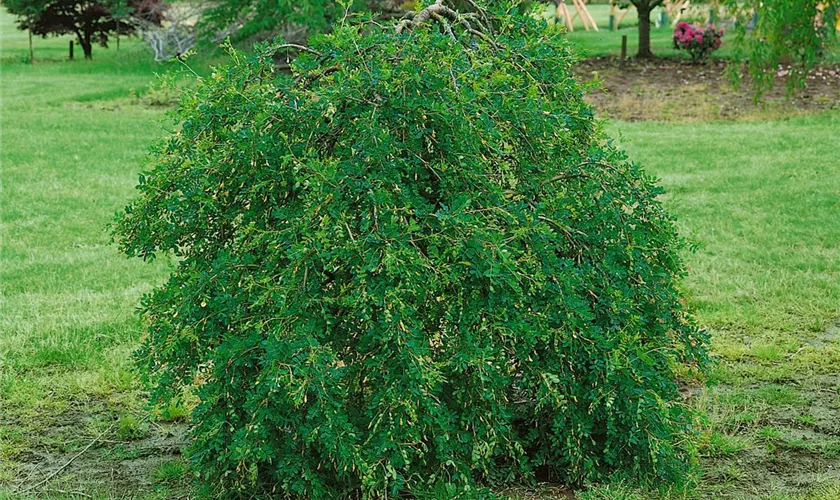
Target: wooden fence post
x=623 y=51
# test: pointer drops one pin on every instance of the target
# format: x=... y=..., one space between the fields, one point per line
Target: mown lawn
x=761 y=200
x=73 y=141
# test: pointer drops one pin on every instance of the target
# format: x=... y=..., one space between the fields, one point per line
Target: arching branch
x=477 y=24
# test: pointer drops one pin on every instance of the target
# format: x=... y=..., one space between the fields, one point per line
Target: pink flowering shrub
x=699 y=42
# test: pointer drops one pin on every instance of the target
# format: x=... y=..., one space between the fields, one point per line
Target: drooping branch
x=476 y=24
x=416 y=19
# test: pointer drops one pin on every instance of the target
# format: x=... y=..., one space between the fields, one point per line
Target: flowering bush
x=699 y=42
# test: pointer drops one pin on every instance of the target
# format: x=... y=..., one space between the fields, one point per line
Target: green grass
x=72 y=143
x=760 y=200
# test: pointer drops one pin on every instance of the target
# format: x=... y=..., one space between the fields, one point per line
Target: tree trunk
x=87 y=47
x=644 y=32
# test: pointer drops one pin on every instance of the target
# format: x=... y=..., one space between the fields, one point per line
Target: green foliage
x=265 y=18
x=164 y=91
x=780 y=36
x=171 y=471
x=130 y=427
x=416 y=264
x=295 y=20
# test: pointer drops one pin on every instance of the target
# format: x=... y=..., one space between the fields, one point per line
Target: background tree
x=780 y=32
x=26 y=19
x=645 y=9
x=92 y=21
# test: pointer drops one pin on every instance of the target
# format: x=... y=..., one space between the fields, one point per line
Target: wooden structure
x=617 y=15
x=675 y=9
x=580 y=11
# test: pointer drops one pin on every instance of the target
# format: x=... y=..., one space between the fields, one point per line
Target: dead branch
x=177 y=33
x=77 y=455
x=297 y=46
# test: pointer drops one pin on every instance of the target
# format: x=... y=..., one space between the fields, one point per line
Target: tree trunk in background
x=644 y=32
x=31 y=52
x=87 y=47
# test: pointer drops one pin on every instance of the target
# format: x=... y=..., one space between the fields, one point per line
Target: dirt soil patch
x=674 y=90
x=83 y=451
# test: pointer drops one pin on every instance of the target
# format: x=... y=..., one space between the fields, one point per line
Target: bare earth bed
x=673 y=90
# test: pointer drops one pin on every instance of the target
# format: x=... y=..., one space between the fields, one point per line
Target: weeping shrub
x=414 y=264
